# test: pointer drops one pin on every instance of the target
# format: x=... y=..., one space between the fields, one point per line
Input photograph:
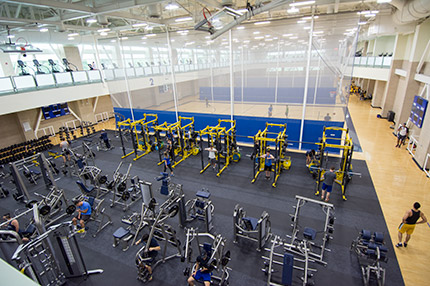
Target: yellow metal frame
x=279 y=140
x=186 y=147
x=346 y=145
x=146 y=148
x=216 y=132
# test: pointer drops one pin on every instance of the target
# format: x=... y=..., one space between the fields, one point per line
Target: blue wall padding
x=247 y=125
x=287 y=269
x=325 y=95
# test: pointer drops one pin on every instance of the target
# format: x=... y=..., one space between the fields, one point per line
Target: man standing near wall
x=409 y=220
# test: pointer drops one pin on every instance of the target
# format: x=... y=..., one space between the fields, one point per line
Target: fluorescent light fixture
x=318 y=32
x=301 y=22
x=383 y=1
x=374 y=12
x=287 y=35
x=262 y=23
x=306 y=28
x=172 y=40
x=91 y=20
x=43 y=30
x=242 y=10
x=70 y=38
x=73 y=34
x=259 y=38
x=256 y=32
x=293 y=10
x=189 y=43
x=309 y=18
x=137 y=25
x=293 y=38
x=124 y=38
x=362 y=23
x=268 y=40
x=275 y=38
x=11 y=36
x=149 y=28
x=369 y=15
x=207 y=37
x=103 y=34
x=151 y=35
x=304 y=3
x=183 y=32
x=103 y=30
x=240 y=28
x=113 y=41
x=267 y=36
x=246 y=41
x=171 y=6
x=143 y=43
x=183 y=19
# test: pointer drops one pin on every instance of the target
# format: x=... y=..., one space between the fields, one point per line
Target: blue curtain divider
x=248 y=125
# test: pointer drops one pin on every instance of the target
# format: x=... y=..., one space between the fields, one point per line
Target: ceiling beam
x=211 y=3
x=53 y=4
x=7 y=20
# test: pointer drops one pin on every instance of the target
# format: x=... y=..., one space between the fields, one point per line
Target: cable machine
x=140 y=133
x=183 y=136
x=224 y=141
x=344 y=174
x=261 y=144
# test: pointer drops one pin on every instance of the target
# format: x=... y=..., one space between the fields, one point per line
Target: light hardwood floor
x=399 y=183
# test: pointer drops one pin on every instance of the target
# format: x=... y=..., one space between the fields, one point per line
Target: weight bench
x=84 y=189
x=122 y=236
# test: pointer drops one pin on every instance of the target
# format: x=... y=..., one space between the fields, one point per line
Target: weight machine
x=53 y=65
x=52 y=257
x=371 y=251
x=119 y=188
x=142 y=143
x=223 y=139
x=161 y=231
x=98 y=214
x=213 y=246
x=183 y=136
x=298 y=260
x=261 y=145
x=316 y=251
x=201 y=208
x=258 y=230
x=94 y=176
x=344 y=174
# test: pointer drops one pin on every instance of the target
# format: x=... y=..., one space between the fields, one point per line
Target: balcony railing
x=371 y=62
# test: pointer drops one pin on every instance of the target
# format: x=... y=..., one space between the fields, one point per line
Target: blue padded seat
x=366 y=234
x=203 y=194
x=309 y=233
x=84 y=188
x=121 y=233
x=250 y=222
x=378 y=237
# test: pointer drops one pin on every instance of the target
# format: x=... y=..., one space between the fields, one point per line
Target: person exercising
x=267 y=163
x=14 y=226
x=64 y=145
x=153 y=249
x=105 y=138
x=409 y=220
x=167 y=163
x=212 y=156
x=310 y=156
x=327 y=186
x=202 y=272
x=84 y=213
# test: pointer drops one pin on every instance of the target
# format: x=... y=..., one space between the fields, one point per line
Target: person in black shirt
x=203 y=270
x=410 y=219
x=153 y=249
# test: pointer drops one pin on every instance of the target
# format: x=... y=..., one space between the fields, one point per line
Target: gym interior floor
x=361 y=210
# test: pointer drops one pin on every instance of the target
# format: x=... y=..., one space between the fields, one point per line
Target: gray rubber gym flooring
x=361 y=210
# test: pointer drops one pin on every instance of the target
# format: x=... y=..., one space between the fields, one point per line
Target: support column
x=378 y=93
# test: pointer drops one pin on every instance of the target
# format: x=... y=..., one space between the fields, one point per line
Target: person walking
x=402 y=131
x=409 y=220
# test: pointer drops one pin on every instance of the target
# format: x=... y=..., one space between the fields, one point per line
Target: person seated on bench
x=203 y=271
x=14 y=226
x=84 y=213
x=153 y=249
